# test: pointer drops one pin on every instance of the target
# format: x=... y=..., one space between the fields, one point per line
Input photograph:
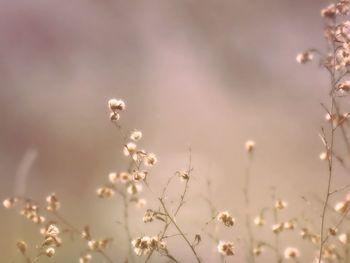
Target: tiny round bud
x=115 y=105
x=50 y=252
x=22 y=246
x=93 y=244
x=332 y=231
x=129 y=148
x=226 y=218
x=291 y=252
x=329 y=12
x=257 y=251
x=344 y=238
x=85 y=258
x=250 y=146
x=324 y=156
x=9 y=202
x=113 y=177
x=226 y=248
x=259 y=221
x=105 y=192
x=113 y=116
x=136 y=136
x=133 y=189
x=304 y=57
x=341 y=207
x=140 y=203
x=150 y=159
x=280 y=204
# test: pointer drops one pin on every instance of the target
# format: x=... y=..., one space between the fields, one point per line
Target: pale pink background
x=205 y=74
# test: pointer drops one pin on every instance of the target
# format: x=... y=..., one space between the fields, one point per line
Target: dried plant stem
x=330 y=208
x=347 y=254
x=170 y=217
x=181 y=203
x=343 y=131
x=179 y=229
x=213 y=214
x=337 y=225
x=330 y=158
x=279 y=258
x=27 y=258
x=76 y=230
x=246 y=192
x=126 y=224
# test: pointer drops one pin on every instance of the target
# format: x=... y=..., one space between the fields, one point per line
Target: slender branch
x=76 y=230
x=126 y=224
x=279 y=258
x=181 y=203
x=251 y=257
x=329 y=149
x=179 y=229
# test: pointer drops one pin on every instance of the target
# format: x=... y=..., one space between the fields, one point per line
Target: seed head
x=52 y=202
x=304 y=57
x=341 y=207
x=9 y=202
x=114 y=116
x=150 y=159
x=280 y=204
x=259 y=221
x=22 y=246
x=134 y=189
x=136 y=135
x=116 y=105
x=226 y=218
x=277 y=228
x=291 y=252
x=139 y=175
x=184 y=176
x=140 y=203
x=50 y=251
x=113 y=177
x=329 y=12
x=86 y=258
x=250 y=146
x=344 y=238
x=226 y=248
x=105 y=192
x=129 y=148
x=148 y=216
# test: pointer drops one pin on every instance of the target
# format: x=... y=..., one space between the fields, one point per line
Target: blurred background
x=202 y=74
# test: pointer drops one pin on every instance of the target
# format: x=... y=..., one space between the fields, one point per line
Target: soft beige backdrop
x=205 y=74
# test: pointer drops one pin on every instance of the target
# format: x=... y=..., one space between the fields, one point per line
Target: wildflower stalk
x=126 y=224
x=347 y=253
x=181 y=203
x=179 y=229
x=279 y=258
x=213 y=215
x=246 y=192
x=124 y=194
x=76 y=230
x=329 y=147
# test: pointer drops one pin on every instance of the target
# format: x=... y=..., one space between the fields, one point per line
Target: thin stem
x=126 y=224
x=181 y=203
x=179 y=229
x=330 y=150
x=279 y=258
x=246 y=189
x=76 y=230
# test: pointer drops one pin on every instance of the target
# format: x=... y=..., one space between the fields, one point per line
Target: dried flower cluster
x=226 y=248
x=144 y=245
x=226 y=218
